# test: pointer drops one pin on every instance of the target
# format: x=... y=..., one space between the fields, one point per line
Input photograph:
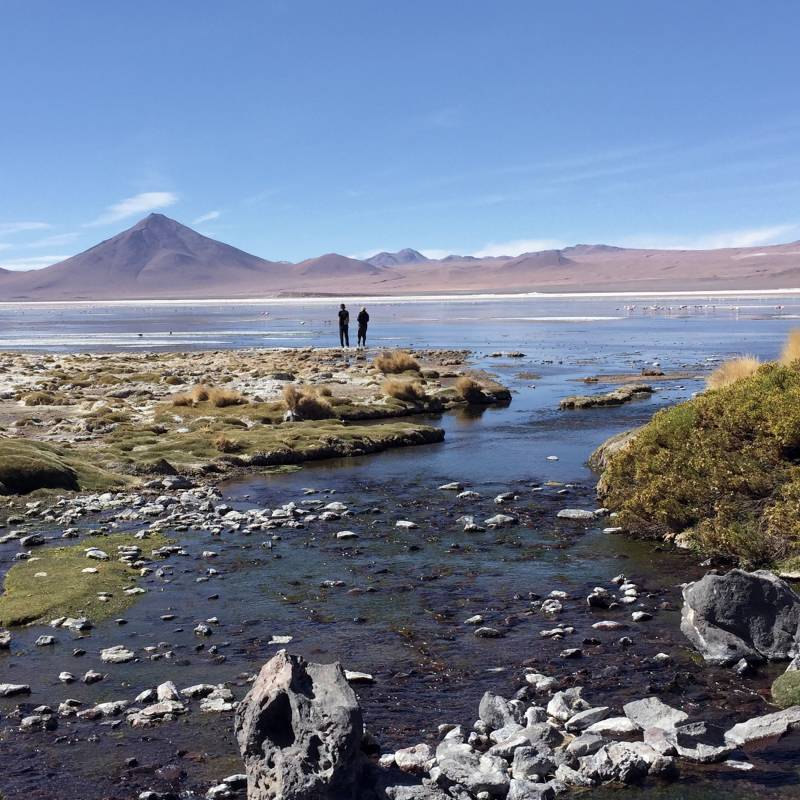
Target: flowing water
x=405 y=595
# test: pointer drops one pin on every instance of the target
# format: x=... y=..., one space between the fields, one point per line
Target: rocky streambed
x=448 y=571
x=425 y=593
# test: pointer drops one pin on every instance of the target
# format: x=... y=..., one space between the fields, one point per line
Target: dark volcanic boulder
x=751 y=615
x=299 y=731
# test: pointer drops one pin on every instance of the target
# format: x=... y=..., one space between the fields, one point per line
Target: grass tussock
x=226 y=445
x=307 y=403
x=723 y=467
x=791 y=349
x=223 y=398
x=735 y=369
x=219 y=398
x=395 y=362
x=42 y=399
x=470 y=390
x=408 y=391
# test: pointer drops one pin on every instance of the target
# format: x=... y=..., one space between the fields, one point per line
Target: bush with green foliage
x=786 y=689
x=724 y=466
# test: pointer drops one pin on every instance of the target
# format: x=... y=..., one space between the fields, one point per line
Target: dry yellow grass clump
x=470 y=390
x=732 y=370
x=226 y=445
x=409 y=391
x=305 y=403
x=392 y=362
x=791 y=350
x=221 y=398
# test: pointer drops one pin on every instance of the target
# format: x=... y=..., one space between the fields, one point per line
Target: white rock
x=118 y=654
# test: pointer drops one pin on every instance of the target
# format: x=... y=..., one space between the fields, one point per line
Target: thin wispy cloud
x=516 y=247
x=137 y=205
x=209 y=217
x=19 y=227
x=30 y=263
x=52 y=241
x=743 y=237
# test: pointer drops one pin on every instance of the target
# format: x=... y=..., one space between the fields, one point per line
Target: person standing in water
x=344 y=326
x=363 y=321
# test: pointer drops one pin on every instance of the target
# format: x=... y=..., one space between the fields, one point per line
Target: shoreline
x=413 y=298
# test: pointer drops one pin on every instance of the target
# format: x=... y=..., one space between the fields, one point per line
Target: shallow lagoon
x=400 y=615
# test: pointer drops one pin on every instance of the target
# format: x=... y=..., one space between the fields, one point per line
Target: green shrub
x=724 y=465
x=786 y=689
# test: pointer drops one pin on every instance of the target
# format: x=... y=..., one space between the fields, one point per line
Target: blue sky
x=295 y=128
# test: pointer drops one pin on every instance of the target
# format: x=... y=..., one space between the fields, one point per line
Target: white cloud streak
x=52 y=241
x=743 y=237
x=211 y=215
x=36 y=262
x=18 y=227
x=142 y=203
x=516 y=247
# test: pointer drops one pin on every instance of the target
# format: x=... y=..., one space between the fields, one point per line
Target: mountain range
x=159 y=258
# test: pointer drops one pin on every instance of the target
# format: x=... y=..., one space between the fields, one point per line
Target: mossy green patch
x=786 y=689
x=724 y=466
x=26 y=466
x=66 y=591
x=266 y=444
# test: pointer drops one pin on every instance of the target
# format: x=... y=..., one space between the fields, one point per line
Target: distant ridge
x=405 y=256
x=161 y=258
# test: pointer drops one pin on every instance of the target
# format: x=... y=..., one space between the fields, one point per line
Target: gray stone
x=700 y=742
x=14 y=689
x=118 y=654
x=618 y=761
x=768 y=726
x=417 y=792
x=299 y=731
x=752 y=615
x=413 y=759
x=586 y=744
x=527 y=790
x=652 y=713
x=566 y=704
x=614 y=726
x=531 y=763
x=583 y=719
x=476 y=772
x=576 y=514
x=496 y=712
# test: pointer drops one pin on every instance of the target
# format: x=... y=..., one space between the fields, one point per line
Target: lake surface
x=406 y=594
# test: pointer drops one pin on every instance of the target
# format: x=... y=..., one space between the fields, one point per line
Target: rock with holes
x=299 y=731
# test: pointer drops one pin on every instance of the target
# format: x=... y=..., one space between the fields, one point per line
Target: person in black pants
x=363 y=321
x=344 y=326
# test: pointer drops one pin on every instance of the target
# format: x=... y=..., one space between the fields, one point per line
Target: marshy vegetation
x=56 y=583
x=722 y=470
x=106 y=420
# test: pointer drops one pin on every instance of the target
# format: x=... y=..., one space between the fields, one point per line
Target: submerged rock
x=751 y=615
x=768 y=726
x=299 y=731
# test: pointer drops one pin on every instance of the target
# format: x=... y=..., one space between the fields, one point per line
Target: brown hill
x=160 y=258
x=333 y=266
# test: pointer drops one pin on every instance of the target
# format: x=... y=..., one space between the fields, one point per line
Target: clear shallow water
x=400 y=614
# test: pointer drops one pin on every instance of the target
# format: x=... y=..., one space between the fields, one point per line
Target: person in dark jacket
x=363 y=321
x=344 y=326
